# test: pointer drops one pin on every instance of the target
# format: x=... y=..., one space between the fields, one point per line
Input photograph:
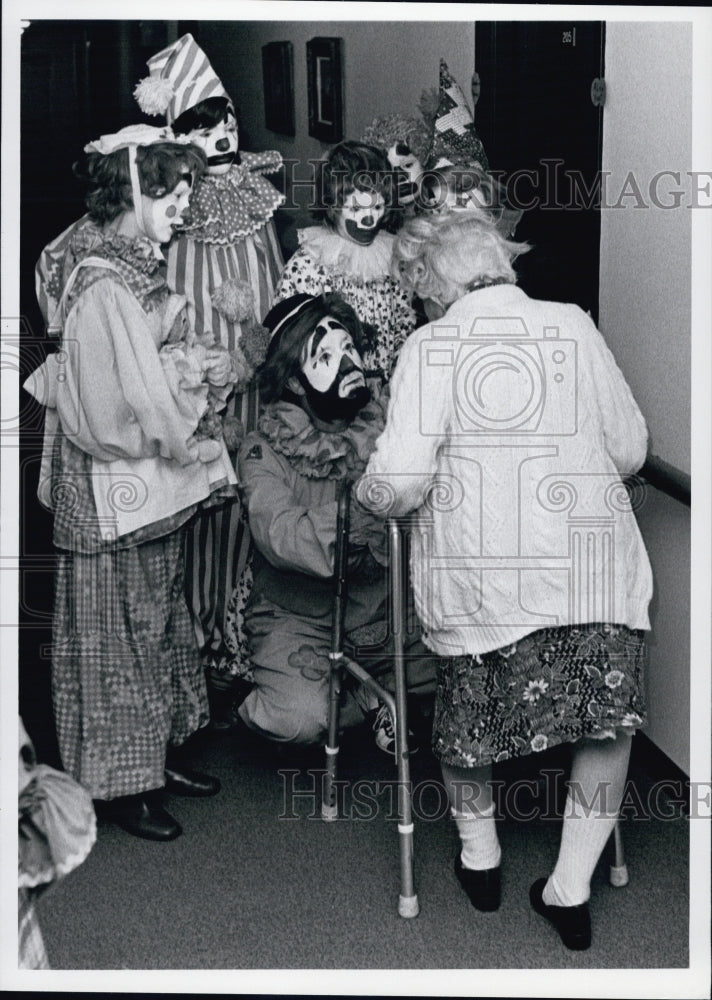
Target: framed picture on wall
x=278 y=80
x=325 y=89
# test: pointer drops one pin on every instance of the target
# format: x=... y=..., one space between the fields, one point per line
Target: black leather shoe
x=142 y=817
x=483 y=887
x=191 y=783
x=572 y=922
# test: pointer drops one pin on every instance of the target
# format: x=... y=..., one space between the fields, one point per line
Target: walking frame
x=408 y=905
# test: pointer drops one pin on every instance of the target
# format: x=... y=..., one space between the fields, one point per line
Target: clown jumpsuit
x=230 y=242
x=288 y=618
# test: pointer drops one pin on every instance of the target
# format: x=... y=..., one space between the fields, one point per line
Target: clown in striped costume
x=226 y=261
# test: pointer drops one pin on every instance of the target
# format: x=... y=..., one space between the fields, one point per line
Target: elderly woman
x=508 y=431
x=129 y=458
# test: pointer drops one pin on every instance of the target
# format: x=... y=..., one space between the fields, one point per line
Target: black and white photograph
x=355 y=454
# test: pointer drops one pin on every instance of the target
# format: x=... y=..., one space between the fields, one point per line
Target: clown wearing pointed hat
x=226 y=261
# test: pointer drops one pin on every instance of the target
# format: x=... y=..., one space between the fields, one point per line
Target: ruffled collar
x=138 y=253
x=342 y=256
x=133 y=257
x=318 y=454
x=226 y=208
x=91 y=240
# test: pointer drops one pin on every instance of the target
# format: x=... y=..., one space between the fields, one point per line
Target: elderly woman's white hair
x=441 y=257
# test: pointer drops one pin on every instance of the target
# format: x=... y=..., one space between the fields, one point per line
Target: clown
x=406 y=141
x=459 y=176
x=350 y=252
x=125 y=469
x=226 y=261
x=319 y=426
x=440 y=157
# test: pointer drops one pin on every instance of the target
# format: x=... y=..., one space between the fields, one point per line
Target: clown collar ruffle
x=225 y=208
x=342 y=256
x=317 y=454
x=91 y=240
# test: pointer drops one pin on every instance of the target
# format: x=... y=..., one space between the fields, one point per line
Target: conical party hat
x=181 y=77
x=455 y=140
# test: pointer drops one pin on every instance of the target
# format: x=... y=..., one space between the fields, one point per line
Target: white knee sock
x=472 y=809
x=478 y=834
x=596 y=788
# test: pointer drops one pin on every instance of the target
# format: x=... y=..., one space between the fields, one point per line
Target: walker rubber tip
x=618 y=875
x=408 y=906
x=329 y=813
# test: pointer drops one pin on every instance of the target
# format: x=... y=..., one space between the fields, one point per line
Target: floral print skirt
x=553 y=686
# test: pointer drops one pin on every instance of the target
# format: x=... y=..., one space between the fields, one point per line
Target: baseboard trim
x=658 y=767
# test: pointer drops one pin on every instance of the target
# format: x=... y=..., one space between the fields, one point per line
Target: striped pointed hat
x=181 y=77
x=455 y=141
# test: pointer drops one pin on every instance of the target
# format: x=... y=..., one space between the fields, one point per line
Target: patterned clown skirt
x=554 y=686
x=127 y=678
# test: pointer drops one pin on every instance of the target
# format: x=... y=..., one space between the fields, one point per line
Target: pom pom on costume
x=153 y=94
x=233 y=433
x=254 y=342
x=243 y=368
x=234 y=300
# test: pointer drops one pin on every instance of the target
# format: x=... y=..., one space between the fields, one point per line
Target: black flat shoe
x=572 y=922
x=142 y=817
x=484 y=887
x=190 y=783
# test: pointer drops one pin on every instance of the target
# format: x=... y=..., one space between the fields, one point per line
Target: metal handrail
x=668 y=479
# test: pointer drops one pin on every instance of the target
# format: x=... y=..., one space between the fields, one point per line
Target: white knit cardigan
x=508 y=431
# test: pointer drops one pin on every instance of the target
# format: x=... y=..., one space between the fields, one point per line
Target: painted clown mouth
x=354 y=380
x=218 y=161
x=359 y=234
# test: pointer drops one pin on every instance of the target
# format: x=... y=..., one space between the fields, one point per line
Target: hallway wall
x=645 y=316
x=386 y=67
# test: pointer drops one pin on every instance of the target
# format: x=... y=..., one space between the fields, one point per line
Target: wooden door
x=543 y=132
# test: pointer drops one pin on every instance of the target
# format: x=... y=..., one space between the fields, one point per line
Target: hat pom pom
x=153 y=94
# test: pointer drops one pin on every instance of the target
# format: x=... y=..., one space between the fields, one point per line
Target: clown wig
x=352 y=166
x=291 y=323
x=160 y=169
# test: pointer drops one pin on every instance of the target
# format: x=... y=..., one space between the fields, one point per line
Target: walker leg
x=329 y=807
x=618 y=872
x=408 y=905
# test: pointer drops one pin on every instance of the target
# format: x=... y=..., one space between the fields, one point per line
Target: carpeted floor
x=259 y=881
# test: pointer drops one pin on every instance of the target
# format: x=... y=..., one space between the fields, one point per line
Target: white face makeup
x=325 y=351
x=360 y=217
x=219 y=143
x=162 y=215
x=400 y=156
